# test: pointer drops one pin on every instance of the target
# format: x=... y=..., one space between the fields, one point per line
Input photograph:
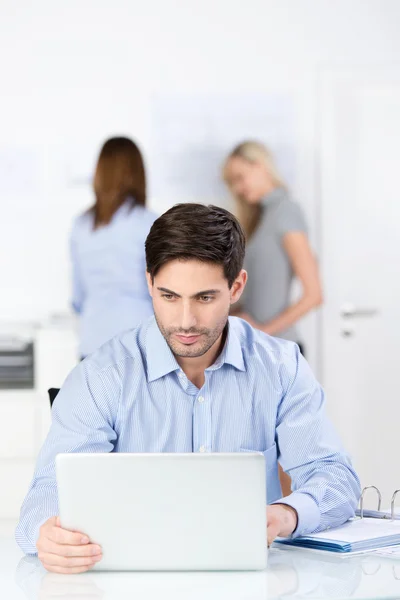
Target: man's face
x=191 y=302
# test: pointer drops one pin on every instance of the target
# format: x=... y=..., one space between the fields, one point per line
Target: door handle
x=350 y=311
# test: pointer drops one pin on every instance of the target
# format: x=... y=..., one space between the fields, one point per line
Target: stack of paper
x=357 y=535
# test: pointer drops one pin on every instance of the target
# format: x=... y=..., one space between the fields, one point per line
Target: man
x=193 y=380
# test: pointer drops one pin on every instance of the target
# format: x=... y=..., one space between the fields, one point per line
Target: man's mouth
x=188 y=339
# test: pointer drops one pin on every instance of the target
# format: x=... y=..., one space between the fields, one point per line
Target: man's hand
x=281 y=521
x=63 y=551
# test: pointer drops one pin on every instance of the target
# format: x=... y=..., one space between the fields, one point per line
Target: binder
x=377 y=514
x=369 y=530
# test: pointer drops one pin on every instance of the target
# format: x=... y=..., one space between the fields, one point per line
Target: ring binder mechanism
x=377 y=514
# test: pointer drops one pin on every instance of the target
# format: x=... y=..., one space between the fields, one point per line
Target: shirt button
x=200 y=399
x=202 y=449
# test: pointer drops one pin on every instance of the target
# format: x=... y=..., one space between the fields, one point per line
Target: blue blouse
x=108 y=272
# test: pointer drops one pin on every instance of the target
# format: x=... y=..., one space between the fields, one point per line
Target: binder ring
x=394 y=568
x=369 y=487
x=392 y=504
x=373 y=571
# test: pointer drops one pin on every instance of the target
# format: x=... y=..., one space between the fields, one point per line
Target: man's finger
x=69 y=538
x=55 y=560
x=272 y=531
x=70 y=551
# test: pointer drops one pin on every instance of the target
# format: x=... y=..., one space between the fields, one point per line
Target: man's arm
x=83 y=417
x=325 y=487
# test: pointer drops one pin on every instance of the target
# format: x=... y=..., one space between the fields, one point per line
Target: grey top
x=270 y=274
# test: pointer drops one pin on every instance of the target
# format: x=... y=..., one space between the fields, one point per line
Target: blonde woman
x=277 y=249
x=277 y=245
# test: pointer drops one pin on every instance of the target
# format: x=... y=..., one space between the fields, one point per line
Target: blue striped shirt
x=260 y=394
x=109 y=289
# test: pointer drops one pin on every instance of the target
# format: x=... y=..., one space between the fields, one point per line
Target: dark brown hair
x=196 y=232
x=119 y=176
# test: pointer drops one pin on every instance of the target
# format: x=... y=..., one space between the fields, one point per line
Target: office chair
x=52 y=395
x=285 y=481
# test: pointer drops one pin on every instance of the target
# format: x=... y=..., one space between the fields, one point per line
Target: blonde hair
x=253 y=152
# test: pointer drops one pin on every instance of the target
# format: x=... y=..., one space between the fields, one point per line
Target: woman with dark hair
x=107 y=248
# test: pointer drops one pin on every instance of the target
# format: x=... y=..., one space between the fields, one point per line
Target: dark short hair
x=196 y=232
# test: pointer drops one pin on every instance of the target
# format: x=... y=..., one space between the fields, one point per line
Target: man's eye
x=168 y=296
x=206 y=298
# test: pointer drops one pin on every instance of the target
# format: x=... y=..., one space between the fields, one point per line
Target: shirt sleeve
x=83 y=416
x=289 y=218
x=77 y=282
x=325 y=487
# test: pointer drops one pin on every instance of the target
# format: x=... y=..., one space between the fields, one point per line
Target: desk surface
x=291 y=573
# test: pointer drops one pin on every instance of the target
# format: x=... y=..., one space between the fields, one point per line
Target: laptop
x=167 y=512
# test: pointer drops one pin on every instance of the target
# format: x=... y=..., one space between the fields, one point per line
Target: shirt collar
x=275 y=196
x=161 y=361
x=125 y=208
x=159 y=358
x=232 y=353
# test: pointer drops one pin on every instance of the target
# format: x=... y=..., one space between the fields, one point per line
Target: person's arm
x=325 y=487
x=83 y=415
x=305 y=268
x=291 y=229
x=77 y=284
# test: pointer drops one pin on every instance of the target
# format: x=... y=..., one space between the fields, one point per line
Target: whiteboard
x=191 y=135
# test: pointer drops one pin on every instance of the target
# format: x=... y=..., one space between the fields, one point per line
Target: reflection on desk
x=39 y=585
x=291 y=573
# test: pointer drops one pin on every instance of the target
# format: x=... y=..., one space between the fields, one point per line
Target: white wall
x=75 y=72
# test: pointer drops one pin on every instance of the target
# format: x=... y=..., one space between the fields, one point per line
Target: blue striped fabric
x=260 y=394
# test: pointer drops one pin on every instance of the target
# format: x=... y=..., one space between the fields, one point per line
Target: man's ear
x=238 y=286
x=149 y=283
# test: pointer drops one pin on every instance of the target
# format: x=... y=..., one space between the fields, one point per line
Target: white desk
x=290 y=574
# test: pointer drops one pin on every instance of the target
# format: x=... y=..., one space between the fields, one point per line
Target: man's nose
x=188 y=319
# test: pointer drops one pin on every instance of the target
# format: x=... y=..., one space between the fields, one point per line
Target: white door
x=360 y=244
